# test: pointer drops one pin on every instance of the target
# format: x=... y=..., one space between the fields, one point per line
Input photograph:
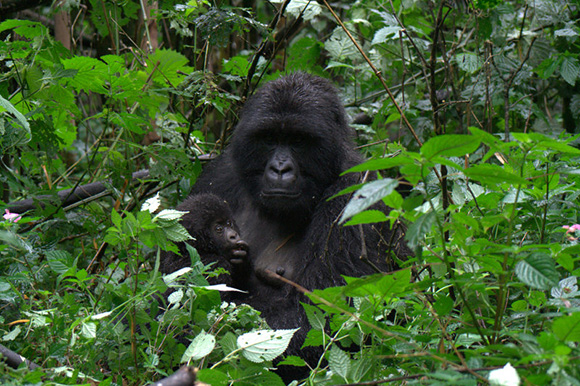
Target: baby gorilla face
x=228 y=241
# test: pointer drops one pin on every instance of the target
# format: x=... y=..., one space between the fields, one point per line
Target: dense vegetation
x=470 y=107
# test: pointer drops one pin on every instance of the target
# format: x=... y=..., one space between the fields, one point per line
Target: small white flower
x=506 y=376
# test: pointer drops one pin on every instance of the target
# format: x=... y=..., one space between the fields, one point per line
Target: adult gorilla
x=285 y=159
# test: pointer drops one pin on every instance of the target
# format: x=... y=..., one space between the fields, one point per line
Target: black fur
x=215 y=237
x=284 y=162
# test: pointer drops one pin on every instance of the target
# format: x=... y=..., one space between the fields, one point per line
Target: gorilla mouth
x=239 y=253
x=280 y=193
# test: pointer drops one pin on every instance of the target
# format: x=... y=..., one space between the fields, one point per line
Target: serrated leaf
x=200 y=346
x=169 y=215
x=570 y=69
x=24 y=135
x=315 y=317
x=175 y=297
x=386 y=33
x=469 y=62
x=381 y=163
x=450 y=145
x=567 y=328
x=265 y=345
x=537 y=271
x=152 y=204
x=177 y=233
x=493 y=175
x=212 y=377
x=368 y=195
x=420 y=228
x=89 y=330
x=339 y=45
x=339 y=362
x=367 y=217
x=170 y=279
x=292 y=360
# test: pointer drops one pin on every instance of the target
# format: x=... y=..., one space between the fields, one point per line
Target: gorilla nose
x=281 y=171
x=232 y=235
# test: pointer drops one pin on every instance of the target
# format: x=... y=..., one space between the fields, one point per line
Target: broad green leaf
x=367 y=217
x=386 y=33
x=493 y=175
x=200 y=346
x=450 y=145
x=469 y=62
x=168 y=66
x=177 y=233
x=169 y=214
x=567 y=328
x=266 y=378
x=381 y=163
x=570 y=69
x=384 y=285
x=293 y=360
x=24 y=134
x=420 y=228
x=212 y=377
x=265 y=345
x=339 y=45
x=369 y=194
x=315 y=316
x=538 y=271
x=89 y=330
x=306 y=9
x=175 y=297
x=339 y=362
x=91 y=74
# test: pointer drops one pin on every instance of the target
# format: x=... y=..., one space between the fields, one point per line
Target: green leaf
x=200 y=346
x=367 y=217
x=315 y=317
x=339 y=45
x=381 y=164
x=265 y=345
x=369 y=194
x=212 y=377
x=339 y=362
x=169 y=215
x=493 y=175
x=177 y=233
x=538 y=271
x=570 y=69
x=450 y=145
x=293 y=360
x=469 y=62
x=89 y=330
x=420 y=228
x=24 y=135
x=91 y=74
x=383 y=285
x=567 y=328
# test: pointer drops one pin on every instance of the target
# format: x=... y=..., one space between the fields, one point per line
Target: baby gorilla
x=216 y=238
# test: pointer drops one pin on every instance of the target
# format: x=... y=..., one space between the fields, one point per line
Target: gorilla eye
x=229 y=224
x=219 y=228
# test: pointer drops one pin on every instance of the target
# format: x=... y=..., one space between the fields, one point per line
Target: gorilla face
x=226 y=238
x=289 y=145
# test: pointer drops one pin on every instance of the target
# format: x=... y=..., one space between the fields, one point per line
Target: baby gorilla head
x=216 y=237
x=210 y=222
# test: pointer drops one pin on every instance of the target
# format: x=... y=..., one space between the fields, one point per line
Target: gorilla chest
x=272 y=250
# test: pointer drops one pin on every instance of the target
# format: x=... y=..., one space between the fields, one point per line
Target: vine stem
x=376 y=71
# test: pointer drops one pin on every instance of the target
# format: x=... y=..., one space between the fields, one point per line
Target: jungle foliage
x=470 y=107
